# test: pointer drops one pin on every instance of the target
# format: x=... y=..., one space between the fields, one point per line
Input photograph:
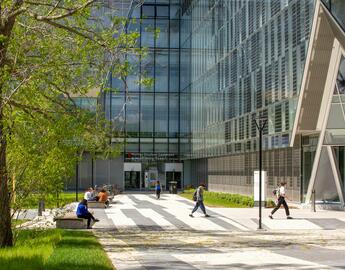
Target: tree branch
x=29 y=108
x=63 y=92
x=16 y=12
x=16 y=5
x=46 y=4
x=62 y=16
x=15 y=90
x=67 y=28
x=54 y=8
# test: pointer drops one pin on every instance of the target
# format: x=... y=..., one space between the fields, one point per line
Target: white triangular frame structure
x=325 y=51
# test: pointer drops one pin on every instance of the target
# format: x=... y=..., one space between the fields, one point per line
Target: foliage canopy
x=50 y=52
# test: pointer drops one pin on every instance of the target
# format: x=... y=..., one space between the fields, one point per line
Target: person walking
x=199 y=198
x=158 y=189
x=83 y=212
x=281 y=195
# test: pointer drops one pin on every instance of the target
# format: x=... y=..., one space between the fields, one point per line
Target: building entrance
x=132 y=180
x=173 y=176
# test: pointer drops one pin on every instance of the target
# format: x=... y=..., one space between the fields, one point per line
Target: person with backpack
x=158 y=189
x=198 y=197
x=281 y=195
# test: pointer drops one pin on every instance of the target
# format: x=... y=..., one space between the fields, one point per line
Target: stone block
x=70 y=221
x=94 y=204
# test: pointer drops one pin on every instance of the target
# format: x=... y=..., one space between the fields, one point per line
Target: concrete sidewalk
x=171 y=212
x=141 y=233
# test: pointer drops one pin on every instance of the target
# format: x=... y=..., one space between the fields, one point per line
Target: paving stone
x=140 y=232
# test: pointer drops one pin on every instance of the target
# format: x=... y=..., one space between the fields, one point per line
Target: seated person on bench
x=89 y=195
x=103 y=197
x=83 y=212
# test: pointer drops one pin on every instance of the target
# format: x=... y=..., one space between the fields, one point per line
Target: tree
x=41 y=152
x=50 y=50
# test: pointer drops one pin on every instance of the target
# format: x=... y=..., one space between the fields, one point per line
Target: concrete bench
x=94 y=204
x=71 y=221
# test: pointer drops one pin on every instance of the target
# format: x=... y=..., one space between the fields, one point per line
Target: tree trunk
x=5 y=208
x=6 y=238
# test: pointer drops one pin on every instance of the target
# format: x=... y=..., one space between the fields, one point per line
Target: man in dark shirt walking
x=199 y=198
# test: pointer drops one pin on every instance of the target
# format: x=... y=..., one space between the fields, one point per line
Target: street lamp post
x=92 y=177
x=260 y=125
x=76 y=181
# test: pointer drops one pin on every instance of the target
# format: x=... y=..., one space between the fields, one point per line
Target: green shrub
x=222 y=199
x=270 y=203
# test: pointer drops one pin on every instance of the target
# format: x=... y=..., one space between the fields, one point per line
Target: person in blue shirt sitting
x=83 y=212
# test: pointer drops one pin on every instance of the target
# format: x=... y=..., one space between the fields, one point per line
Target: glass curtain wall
x=337 y=8
x=247 y=59
x=335 y=133
x=150 y=115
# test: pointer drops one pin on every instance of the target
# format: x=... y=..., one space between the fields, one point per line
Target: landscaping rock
x=46 y=221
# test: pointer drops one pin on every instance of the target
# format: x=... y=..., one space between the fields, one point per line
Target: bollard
x=314 y=199
x=41 y=207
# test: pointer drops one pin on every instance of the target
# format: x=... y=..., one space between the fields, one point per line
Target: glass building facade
x=337 y=9
x=151 y=117
x=216 y=66
x=335 y=138
x=247 y=60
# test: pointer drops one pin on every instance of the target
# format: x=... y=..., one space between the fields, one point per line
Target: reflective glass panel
x=148 y=33
x=146 y=124
x=132 y=116
x=161 y=71
x=162 y=28
x=161 y=115
x=173 y=115
x=174 y=71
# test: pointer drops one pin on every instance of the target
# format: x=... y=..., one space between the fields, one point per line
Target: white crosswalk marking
x=159 y=234
x=342 y=219
x=157 y=218
x=250 y=259
x=178 y=209
x=234 y=223
x=292 y=224
x=172 y=212
x=198 y=222
x=120 y=220
x=125 y=200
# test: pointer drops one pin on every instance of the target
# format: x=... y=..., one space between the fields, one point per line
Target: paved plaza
x=140 y=232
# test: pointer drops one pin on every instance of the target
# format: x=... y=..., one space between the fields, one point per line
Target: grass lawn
x=16 y=222
x=52 y=201
x=54 y=250
x=218 y=199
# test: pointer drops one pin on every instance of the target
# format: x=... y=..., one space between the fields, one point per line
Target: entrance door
x=173 y=176
x=132 y=180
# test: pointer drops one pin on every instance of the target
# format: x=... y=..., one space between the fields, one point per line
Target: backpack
x=195 y=196
x=276 y=192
